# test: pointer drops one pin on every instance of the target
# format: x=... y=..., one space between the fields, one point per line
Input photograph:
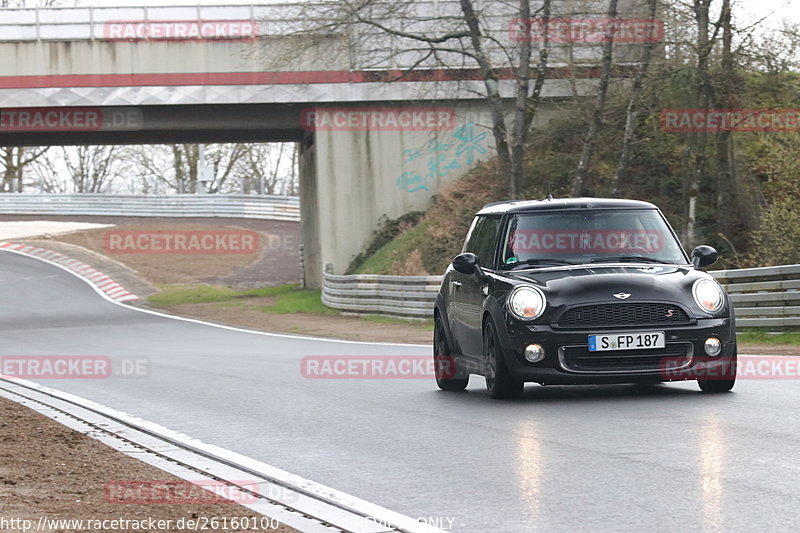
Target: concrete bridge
x=374 y=142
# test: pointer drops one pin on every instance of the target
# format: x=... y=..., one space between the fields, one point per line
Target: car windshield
x=579 y=237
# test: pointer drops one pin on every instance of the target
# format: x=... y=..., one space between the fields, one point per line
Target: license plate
x=627 y=341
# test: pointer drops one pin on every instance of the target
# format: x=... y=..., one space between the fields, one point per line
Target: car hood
x=593 y=284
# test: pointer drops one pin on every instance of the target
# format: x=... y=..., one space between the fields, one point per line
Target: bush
x=776 y=241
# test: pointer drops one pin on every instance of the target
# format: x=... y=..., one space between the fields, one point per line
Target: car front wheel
x=499 y=382
x=723 y=383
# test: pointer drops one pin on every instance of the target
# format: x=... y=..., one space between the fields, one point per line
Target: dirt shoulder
x=351 y=328
x=49 y=470
x=217 y=251
x=768 y=349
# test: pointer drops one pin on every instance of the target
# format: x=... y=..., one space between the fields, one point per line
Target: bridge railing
x=166 y=205
x=764 y=298
x=91 y=22
x=374 y=48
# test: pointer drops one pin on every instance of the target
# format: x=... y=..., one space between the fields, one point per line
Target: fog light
x=534 y=353
x=713 y=346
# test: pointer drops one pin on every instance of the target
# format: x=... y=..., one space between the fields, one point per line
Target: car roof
x=550 y=204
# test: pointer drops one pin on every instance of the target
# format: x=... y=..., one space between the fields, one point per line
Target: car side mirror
x=704 y=256
x=466 y=263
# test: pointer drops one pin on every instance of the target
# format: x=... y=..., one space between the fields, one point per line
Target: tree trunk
x=596 y=120
x=699 y=140
x=726 y=193
x=493 y=98
x=634 y=107
x=526 y=103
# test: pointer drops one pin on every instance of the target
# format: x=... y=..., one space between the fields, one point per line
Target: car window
x=590 y=236
x=472 y=235
x=486 y=240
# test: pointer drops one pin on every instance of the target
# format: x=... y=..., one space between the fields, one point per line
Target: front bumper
x=556 y=369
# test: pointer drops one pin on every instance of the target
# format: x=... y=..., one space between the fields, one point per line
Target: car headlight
x=708 y=295
x=526 y=303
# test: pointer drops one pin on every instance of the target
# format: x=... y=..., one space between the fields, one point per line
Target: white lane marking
x=323 y=493
x=197 y=321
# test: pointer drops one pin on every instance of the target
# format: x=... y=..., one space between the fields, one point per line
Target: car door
x=456 y=303
x=474 y=288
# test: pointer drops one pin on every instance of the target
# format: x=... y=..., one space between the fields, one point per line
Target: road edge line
x=198 y=321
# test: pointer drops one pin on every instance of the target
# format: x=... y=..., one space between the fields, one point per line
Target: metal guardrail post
x=302 y=266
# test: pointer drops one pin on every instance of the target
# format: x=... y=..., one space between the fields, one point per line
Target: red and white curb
x=102 y=282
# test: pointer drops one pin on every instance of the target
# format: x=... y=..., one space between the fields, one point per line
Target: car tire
x=442 y=358
x=725 y=384
x=499 y=383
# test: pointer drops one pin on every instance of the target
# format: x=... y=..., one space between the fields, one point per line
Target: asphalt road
x=600 y=458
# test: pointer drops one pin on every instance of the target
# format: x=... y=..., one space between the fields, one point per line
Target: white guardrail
x=91 y=22
x=403 y=296
x=764 y=298
x=167 y=205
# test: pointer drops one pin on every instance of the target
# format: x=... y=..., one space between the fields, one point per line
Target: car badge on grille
x=670 y=313
x=622 y=296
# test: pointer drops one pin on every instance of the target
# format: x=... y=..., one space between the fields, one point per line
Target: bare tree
x=704 y=94
x=269 y=168
x=93 y=169
x=175 y=167
x=15 y=160
x=223 y=160
x=80 y=169
x=466 y=41
x=634 y=106
x=595 y=122
x=45 y=175
x=725 y=149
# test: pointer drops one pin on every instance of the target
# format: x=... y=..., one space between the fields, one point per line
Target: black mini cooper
x=580 y=291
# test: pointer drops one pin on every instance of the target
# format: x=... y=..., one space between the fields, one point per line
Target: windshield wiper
x=542 y=261
x=630 y=259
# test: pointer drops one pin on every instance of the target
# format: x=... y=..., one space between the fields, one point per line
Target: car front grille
x=623 y=314
x=672 y=357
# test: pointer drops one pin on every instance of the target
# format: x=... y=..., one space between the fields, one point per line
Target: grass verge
x=396 y=250
x=427 y=325
x=760 y=337
x=198 y=294
x=287 y=298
